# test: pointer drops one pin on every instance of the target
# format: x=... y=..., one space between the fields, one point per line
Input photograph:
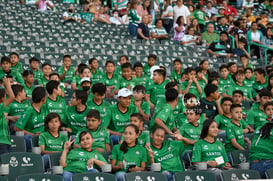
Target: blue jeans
x=239 y=3
x=46 y=162
x=28 y=141
x=4 y=148
x=186 y=158
x=168 y=175
x=261 y=166
x=115 y=139
x=120 y=176
x=132 y=29
x=67 y=176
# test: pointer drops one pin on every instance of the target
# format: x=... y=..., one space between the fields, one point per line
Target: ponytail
x=124 y=145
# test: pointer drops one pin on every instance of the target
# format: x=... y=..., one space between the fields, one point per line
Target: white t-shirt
x=188 y=38
x=181 y=11
x=115 y=21
x=168 y=10
x=255 y=36
x=248 y=4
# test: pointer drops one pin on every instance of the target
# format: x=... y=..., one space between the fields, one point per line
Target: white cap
x=153 y=68
x=85 y=79
x=124 y=92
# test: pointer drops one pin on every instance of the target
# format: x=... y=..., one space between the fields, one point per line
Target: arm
x=199 y=89
x=25 y=132
x=107 y=147
x=219 y=107
x=65 y=152
x=43 y=152
x=74 y=86
x=188 y=87
x=160 y=123
x=63 y=75
x=139 y=31
x=236 y=145
x=141 y=168
x=145 y=116
x=212 y=53
x=114 y=133
x=9 y=92
x=147 y=99
x=93 y=161
x=115 y=167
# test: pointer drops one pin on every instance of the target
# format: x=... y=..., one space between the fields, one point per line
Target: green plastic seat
x=107 y=156
x=269 y=173
x=145 y=176
x=195 y=176
x=239 y=156
x=94 y=176
x=238 y=174
x=17 y=143
x=54 y=159
x=42 y=177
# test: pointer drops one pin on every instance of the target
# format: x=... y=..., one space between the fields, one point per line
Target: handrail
x=262 y=46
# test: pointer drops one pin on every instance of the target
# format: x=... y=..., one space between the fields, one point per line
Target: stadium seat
x=195 y=176
x=54 y=159
x=238 y=174
x=41 y=177
x=22 y=163
x=107 y=156
x=222 y=137
x=3 y=178
x=17 y=143
x=269 y=173
x=239 y=156
x=94 y=176
x=35 y=141
x=145 y=176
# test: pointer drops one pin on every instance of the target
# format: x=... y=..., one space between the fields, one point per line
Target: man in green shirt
x=98 y=103
x=32 y=121
x=76 y=113
x=256 y=117
x=6 y=64
x=119 y=114
x=66 y=71
x=110 y=78
x=260 y=81
x=164 y=117
x=209 y=36
x=17 y=107
x=54 y=102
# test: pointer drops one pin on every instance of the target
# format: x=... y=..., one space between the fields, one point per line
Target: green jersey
x=4 y=131
x=222 y=121
x=43 y=81
x=102 y=108
x=257 y=118
x=191 y=132
x=166 y=115
x=100 y=137
x=15 y=75
x=96 y=76
x=247 y=91
x=234 y=132
x=118 y=71
x=88 y=17
x=76 y=79
x=204 y=151
x=118 y=120
x=249 y=82
x=121 y=4
x=261 y=147
x=28 y=90
x=37 y=74
x=17 y=68
x=123 y=83
x=146 y=70
x=258 y=86
x=156 y=91
x=134 y=18
x=168 y=156
x=142 y=80
x=75 y=120
x=183 y=119
x=145 y=106
x=175 y=76
x=110 y=81
x=58 y=106
x=17 y=109
x=193 y=88
x=134 y=156
x=69 y=74
x=200 y=16
x=52 y=143
x=224 y=85
x=77 y=160
x=142 y=139
x=32 y=121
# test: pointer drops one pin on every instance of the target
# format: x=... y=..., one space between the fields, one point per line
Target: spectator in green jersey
x=34 y=67
x=66 y=71
x=96 y=73
x=83 y=159
x=7 y=71
x=46 y=69
x=143 y=107
x=110 y=78
x=28 y=77
x=16 y=65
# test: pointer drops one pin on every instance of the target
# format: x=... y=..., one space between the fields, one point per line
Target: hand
x=227 y=166
x=137 y=104
x=190 y=81
x=212 y=163
x=69 y=130
x=218 y=99
x=90 y=162
x=228 y=55
x=134 y=169
x=177 y=136
x=68 y=144
x=6 y=81
x=146 y=38
x=194 y=80
x=37 y=134
x=120 y=165
x=151 y=153
x=152 y=106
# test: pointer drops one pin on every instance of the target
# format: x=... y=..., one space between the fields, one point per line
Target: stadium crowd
x=192 y=106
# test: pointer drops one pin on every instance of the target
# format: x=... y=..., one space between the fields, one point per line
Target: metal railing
x=265 y=48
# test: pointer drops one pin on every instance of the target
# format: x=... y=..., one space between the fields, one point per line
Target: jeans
x=132 y=30
x=46 y=162
x=28 y=141
x=115 y=139
x=4 y=148
x=120 y=176
x=187 y=158
x=168 y=175
x=67 y=176
x=261 y=166
x=239 y=3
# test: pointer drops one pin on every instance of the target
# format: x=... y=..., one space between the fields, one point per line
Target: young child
x=84 y=71
x=97 y=102
x=234 y=133
x=46 y=69
x=268 y=110
x=28 y=76
x=152 y=58
x=6 y=64
x=16 y=65
x=126 y=80
x=244 y=60
x=34 y=67
x=32 y=121
x=66 y=71
x=177 y=72
x=96 y=73
x=142 y=106
x=128 y=156
x=122 y=60
x=224 y=81
x=232 y=68
x=140 y=77
x=17 y=108
x=249 y=77
x=76 y=113
x=110 y=78
x=5 y=143
x=54 y=102
x=80 y=160
x=204 y=64
x=191 y=85
x=51 y=141
x=99 y=133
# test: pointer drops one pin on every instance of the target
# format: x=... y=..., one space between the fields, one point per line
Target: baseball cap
x=85 y=79
x=124 y=92
x=153 y=68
